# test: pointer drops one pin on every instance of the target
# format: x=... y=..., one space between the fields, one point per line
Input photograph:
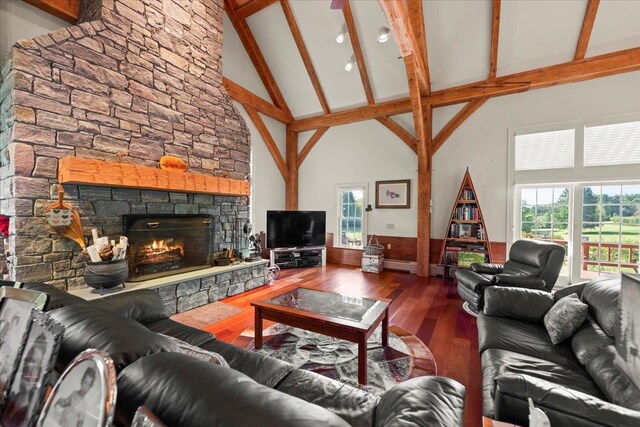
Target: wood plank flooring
x=426 y=306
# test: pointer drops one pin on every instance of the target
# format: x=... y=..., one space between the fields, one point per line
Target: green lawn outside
x=609 y=233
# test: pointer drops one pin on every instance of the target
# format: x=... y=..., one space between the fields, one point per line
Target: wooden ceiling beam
x=455 y=123
x=587 y=26
x=245 y=96
x=357 y=51
x=268 y=140
x=310 y=144
x=66 y=10
x=495 y=36
x=405 y=37
x=416 y=20
x=570 y=72
x=251 y=7
x=609 y=64
x=400 y=132
x=358 y=114
x=251 y=46
x=304 y=53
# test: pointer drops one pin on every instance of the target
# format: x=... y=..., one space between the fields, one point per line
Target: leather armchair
x=532 y=264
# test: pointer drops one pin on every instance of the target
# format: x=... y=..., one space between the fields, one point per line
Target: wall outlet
x=388 y=245
x=390 y=226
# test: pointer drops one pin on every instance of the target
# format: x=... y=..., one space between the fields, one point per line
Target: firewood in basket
x=106 y=253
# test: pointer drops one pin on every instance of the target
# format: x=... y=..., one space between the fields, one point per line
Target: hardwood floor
x=426 y=306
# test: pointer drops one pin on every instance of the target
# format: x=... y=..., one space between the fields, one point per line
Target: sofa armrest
x=575 y=288
x=520 y=282
x=563 y=406
x=529 y=305
x=422 y=401
x=487 y=268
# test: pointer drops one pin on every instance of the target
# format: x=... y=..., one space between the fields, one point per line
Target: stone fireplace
x=134 y=81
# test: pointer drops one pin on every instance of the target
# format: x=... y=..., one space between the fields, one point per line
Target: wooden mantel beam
x=587 y=26
x=357 y=51
x=245 y=96
x=254 y=6
x=66 y=10
x=570 y=72
x=405 y=37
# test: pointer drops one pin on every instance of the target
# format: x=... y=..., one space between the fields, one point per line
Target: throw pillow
x=198 y=353
x=565 y=317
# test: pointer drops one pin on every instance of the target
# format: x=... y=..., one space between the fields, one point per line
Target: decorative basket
x=373 y=248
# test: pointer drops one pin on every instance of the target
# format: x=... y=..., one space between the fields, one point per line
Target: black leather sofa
x=576 y=382
x=257 y=390
x=532 y=264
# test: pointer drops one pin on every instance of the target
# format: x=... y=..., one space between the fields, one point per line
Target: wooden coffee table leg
x=362 y=359
x=385 y=328
x=258 y=328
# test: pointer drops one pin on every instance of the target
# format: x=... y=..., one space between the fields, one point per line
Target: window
x=350 y=216
x=545 y=150
x=579 y=187
x=610 y=229
x=544 y=215
x=616 y=144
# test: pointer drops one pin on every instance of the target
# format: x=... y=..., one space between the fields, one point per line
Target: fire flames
x=161 y=246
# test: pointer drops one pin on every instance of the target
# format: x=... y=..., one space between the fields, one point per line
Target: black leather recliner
x=532 y=264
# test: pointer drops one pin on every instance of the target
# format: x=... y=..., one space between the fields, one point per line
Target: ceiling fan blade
x=337 y=4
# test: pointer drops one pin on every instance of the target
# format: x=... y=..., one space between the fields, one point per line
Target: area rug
x=405 y=357
x=466 y=308
x=206 y=315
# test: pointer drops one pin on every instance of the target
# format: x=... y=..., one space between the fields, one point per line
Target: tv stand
x=313 y=256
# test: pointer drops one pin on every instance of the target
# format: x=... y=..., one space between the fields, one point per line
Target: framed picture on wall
x=393 y=194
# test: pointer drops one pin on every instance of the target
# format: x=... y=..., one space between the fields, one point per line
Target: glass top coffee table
x=340 y=316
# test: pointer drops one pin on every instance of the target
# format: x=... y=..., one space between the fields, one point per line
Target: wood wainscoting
x=402 y=248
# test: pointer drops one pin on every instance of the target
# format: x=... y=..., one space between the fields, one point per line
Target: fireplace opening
x=161 y=245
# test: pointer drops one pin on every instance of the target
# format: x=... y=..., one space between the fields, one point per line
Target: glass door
x=610 y=234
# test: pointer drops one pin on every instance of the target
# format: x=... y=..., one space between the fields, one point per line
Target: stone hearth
x=136 y=80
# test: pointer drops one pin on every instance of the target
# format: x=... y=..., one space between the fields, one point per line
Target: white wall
x=20 y=20
x=482 y=141
x=363 y=152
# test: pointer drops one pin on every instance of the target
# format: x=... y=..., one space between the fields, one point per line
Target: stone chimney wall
x=139 y=80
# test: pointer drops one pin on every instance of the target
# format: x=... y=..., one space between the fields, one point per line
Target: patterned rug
x=206 y=315
x=405 y=357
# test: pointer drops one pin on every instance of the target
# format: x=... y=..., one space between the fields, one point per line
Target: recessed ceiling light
x=383 y=34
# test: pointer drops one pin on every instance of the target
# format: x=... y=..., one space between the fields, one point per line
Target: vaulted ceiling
x=533 y=34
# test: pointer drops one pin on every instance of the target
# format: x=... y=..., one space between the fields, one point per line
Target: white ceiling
x=532 y=34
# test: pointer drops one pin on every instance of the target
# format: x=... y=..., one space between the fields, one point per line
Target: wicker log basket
x=373 y=248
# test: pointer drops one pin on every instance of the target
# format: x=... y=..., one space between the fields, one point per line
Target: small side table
x=449 y=272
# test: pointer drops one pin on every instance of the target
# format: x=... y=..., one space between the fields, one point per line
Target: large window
x=579 y=186
x=610 y=229
x=350 y=215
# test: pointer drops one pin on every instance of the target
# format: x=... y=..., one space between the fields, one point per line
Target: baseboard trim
x=395 y=264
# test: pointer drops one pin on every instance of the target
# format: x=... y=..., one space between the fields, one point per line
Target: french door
x=597 y=223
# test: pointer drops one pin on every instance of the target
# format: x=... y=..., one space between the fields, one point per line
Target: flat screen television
x=295 y=229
